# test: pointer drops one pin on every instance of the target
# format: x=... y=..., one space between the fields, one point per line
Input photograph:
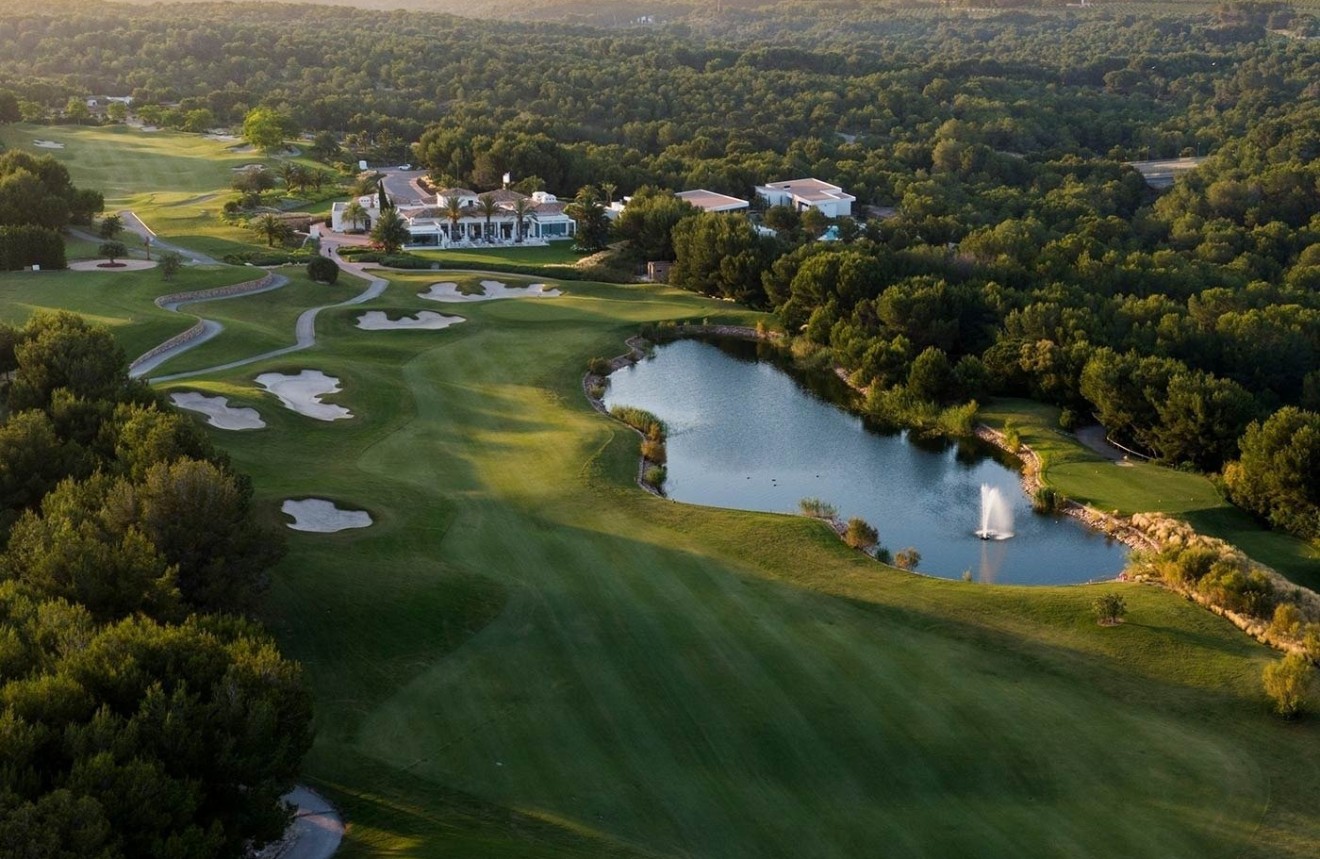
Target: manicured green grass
x=120 y=300
x=175 y=182
x=553 y=254
x=1089 y=478
x=528 y=656
x=259 y=325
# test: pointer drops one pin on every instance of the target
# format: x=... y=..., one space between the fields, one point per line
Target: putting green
x=528 y=656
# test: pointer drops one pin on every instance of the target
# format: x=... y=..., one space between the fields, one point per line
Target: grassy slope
x=120 y=300
x=175 y=182
x=558 y=253
x=1091 y=479
x=528 y=656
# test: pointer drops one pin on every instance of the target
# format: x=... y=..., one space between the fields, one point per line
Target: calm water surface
x=745 y=434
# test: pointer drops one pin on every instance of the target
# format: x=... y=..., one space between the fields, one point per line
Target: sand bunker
x=47 y=144
x=302 y=393
x=218 y=411
x=378 y=320
x=323 y=517
x=494 y=290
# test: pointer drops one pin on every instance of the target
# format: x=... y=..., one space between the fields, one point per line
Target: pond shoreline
x=595 y=382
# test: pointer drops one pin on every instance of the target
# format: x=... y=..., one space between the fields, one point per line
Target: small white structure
x=433 y=224
x=709 y=201
x=803 y=194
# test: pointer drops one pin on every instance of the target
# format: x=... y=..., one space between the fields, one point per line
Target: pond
x=745 y=434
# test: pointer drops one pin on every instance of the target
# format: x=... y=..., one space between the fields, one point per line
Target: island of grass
x=529 y=656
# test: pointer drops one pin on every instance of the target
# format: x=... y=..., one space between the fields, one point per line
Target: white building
x=432 y=225
x=709 y=201
x=803 y=194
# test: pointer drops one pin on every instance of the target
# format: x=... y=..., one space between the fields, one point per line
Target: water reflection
x=744 y=433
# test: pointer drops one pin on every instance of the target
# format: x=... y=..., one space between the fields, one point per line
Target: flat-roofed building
x=803 y=194
x=709 y=201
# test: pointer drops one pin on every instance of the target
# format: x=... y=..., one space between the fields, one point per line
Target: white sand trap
x=302 y=393
x=379 y=320
x=494 y=290
x=218 y=411
x=323 y=517
x=47 y=144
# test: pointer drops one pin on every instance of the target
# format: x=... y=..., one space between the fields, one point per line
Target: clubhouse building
x=514 y=218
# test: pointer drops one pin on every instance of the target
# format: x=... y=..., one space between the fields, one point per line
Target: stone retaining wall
x=198 y=329
x=218 y=292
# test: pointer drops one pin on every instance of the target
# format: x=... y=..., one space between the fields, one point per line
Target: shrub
x=598 y=367
x=1109 y=609
x=655 y=475
x=1288 y=683
x=860 y=534
x=817 y=509
x=112 y=250
x=1311 y=641
x=323 y=270
x=640 y=420
x=596 y=391
x=1047 y=500
x=22 y=246
x=170 y=264
x=883 y=555
x=1068 y=420
x=653 y=450
x=1012 y=439
x=1287 y=620
x=907 y=559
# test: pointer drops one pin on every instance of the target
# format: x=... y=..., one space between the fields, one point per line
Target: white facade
x=709 y=201
x=432 y=226
x=803 y=194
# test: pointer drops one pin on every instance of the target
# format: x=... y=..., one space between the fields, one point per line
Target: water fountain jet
x=996 y=515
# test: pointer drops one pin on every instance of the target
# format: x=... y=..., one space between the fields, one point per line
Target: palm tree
x=521 y=209
x=454 y=210
x=593 y=228
x=355 y=214
x=391 y=231
x=291 y=173
x=270 y=228
x=488 y=206
x=608 y=189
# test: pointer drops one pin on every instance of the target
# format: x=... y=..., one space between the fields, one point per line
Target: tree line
x=144 y=713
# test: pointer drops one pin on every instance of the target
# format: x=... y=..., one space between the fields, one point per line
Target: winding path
x=304 y=332
x=209 y=327
x=134 y=224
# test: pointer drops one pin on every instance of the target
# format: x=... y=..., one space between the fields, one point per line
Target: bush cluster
x=24 y=246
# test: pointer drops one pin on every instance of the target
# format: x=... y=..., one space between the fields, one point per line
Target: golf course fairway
x=527 y=655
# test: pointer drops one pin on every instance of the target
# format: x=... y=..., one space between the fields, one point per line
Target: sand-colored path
x=304 y=332
x=209 y=327
x=120 y=265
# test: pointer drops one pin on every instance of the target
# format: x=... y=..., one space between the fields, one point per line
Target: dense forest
x=1002 y=245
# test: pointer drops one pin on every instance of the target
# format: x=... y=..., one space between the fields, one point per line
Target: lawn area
x=1089 y=478
x=175 y=182
x=120 y=300
x=528 y=656
x=554 y=254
